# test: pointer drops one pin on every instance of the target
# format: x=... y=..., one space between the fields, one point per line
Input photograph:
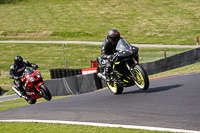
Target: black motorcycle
x=126 y=69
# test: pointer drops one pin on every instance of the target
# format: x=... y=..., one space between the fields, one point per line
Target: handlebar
x=115 y=56
x=20 y=77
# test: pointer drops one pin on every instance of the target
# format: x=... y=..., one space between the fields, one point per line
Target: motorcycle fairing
x=125 y=49
x=125 y=54
x=121 y=75
x=32 y=83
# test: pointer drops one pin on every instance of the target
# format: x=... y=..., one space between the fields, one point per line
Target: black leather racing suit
x=16 y=72
x=107 y=53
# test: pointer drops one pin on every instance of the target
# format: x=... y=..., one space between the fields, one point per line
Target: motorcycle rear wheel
x=31 y=101
x=142 y=80
x=46 y=94
x=115 y=89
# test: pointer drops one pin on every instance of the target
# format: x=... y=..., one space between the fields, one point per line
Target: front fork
x=131 y=71
x=38 y=88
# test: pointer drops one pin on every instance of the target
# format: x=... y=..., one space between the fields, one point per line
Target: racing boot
x=25 y=96
x=23 y=93
x=107 y=78
x=107 y=74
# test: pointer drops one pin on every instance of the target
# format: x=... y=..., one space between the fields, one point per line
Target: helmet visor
x=114 y=40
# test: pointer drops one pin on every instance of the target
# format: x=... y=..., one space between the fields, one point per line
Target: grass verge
x=144 y=21
x=63 y=128
x=11 y=104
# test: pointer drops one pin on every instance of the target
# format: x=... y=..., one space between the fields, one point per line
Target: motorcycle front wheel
x=46 y=93
x=142 y=79
x=115 y=88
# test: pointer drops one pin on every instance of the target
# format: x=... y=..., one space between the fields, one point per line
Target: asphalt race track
x=170 y=102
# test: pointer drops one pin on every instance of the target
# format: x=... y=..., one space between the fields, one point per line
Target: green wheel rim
x=140 y=80
x=114 y=88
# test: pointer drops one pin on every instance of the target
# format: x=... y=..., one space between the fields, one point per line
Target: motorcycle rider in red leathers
x=108 y=50
x=17 y=70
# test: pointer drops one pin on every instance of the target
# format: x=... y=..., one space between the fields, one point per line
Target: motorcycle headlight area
x=38 y=74
x=31 y=79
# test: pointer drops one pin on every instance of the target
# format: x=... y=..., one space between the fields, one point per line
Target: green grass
x=139 y=21
x=62 y=128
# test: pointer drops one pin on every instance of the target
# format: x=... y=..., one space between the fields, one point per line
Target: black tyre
x=31 y=101
x=115 y=89
x=46 y=92
x=142 y=81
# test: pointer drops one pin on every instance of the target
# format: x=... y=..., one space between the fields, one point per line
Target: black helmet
x=113 y=36
x=18 y=60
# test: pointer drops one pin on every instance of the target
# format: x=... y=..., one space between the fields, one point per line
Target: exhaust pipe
x=101 y=76
x=17 y=92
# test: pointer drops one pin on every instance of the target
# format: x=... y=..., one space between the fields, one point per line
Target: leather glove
x=110 y=57
x=16 y=77
x=34 y=66
x=21 y=76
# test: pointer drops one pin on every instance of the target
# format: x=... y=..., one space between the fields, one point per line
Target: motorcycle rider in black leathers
x=16 y=73
x=108 y=50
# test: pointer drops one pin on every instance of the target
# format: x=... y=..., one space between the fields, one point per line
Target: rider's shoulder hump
x=12 y=67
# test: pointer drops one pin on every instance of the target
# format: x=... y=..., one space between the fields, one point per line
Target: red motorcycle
x=32 y=82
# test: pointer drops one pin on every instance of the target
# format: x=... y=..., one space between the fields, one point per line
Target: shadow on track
x=154 y=90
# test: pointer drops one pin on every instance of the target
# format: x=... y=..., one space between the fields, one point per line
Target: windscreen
x=28 y=71
x=122 y=45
